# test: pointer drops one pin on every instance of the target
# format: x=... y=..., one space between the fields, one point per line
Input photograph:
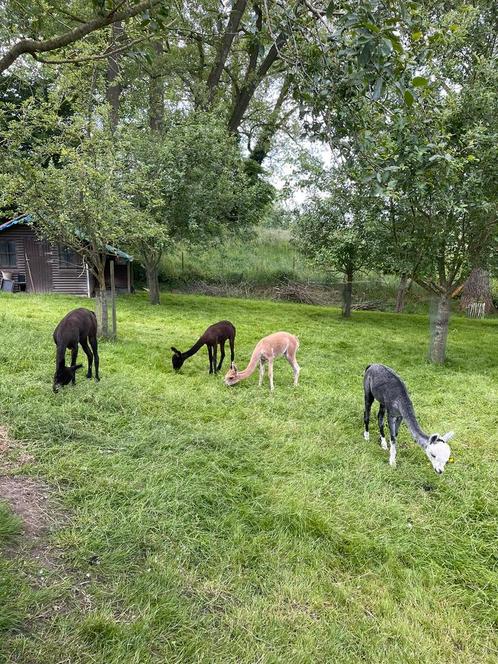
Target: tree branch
x=89 y=58
x=236 y=14
x=32 y=46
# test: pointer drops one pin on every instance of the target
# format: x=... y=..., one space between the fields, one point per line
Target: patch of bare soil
x=30 y=499
x=11 y=453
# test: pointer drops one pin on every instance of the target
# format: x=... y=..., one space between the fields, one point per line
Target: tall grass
x=208 y=524
x=262 y=260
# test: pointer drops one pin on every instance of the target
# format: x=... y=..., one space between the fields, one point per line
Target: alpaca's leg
x=222 y=355
x=392 y=429
x=74 y=357
x=291 y=359
x=398 y=423
x=93 y=344
x=366 y=413
x=383 y=441
x=215 y=355
x=261 y=372
x=232 y=349
x=88 y=353
x=270 y=372
x=210 y=352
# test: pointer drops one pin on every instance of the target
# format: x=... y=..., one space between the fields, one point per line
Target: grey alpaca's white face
x=439 y=452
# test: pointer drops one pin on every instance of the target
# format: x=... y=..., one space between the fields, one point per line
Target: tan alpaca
x=270 y=347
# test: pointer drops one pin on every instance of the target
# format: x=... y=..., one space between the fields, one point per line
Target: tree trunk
x=263 y=144
x=101 y=308
x=403 y=287
x=156 y=90
x=477 y=288
x=101 y=311
x=238 y=8
x=114 y=87
x=152 y=273
x=439 y=330
x=347 y=295
x=247 y=91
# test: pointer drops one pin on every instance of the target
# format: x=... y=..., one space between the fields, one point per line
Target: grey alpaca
x=382 y=383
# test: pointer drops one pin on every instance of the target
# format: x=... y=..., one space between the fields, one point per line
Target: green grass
x=209 y=524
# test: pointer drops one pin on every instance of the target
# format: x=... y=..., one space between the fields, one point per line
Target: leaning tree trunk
x=477 y=288
x=439 y=330
x=347 y=295
x=403 y=287
x=152 y=274
x=101 y=308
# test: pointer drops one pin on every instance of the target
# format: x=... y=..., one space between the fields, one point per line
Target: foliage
x=336 y=229
x=191 y=179
x=68 y=181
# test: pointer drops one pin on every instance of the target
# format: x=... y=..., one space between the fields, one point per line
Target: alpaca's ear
x=233 y=366
x=433 y=438
x=175 y=350
x=448 y=436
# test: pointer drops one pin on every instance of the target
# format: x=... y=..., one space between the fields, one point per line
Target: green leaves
x=409 y=98
x=420 y=82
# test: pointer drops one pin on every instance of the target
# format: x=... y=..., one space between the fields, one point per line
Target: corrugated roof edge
x=26 y=218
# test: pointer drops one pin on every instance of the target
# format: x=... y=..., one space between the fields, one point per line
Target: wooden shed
x=34 y=265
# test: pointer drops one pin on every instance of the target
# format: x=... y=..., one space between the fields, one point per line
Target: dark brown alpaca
x=77 y=327
x=214 y=335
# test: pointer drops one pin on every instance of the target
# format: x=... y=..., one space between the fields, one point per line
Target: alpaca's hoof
x=383 y=443
x=392 y=463
x=366 y=435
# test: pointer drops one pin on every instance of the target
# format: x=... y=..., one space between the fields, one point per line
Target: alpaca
x=382 y=383
x=78 y=326
x=279 y=343
x=214 y=335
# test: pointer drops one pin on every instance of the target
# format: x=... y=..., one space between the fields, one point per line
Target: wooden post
x=113 y=298
x=88 y=290
x=128 y=276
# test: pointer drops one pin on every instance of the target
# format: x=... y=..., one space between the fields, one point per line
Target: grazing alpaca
x=78 y=326
x=382 y=383
x=279 y=343
x=214 y=335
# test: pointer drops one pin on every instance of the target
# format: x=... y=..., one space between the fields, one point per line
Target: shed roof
x=26 y=219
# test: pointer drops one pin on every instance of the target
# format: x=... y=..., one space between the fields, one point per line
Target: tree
x=426 y=148
x=335 y=231
x=189 y=184
x=70 y=184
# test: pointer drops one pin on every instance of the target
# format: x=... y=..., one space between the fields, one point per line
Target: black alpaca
x=214 y=335
x=77 y=327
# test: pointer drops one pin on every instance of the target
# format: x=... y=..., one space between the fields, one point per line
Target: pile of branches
x=292 y=291
x=374 y=305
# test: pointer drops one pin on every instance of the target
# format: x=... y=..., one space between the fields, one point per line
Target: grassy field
x=206 y=524
x=260 y=265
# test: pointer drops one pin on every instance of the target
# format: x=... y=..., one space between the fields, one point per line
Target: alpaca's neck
x=61 y=356
x=408 y=413
x=192 y=351
x=253 y=363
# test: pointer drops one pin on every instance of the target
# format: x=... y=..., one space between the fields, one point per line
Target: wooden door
x=38 y=266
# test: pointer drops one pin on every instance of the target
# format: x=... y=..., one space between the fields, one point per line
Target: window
x=69 y=258
x=8 y=254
